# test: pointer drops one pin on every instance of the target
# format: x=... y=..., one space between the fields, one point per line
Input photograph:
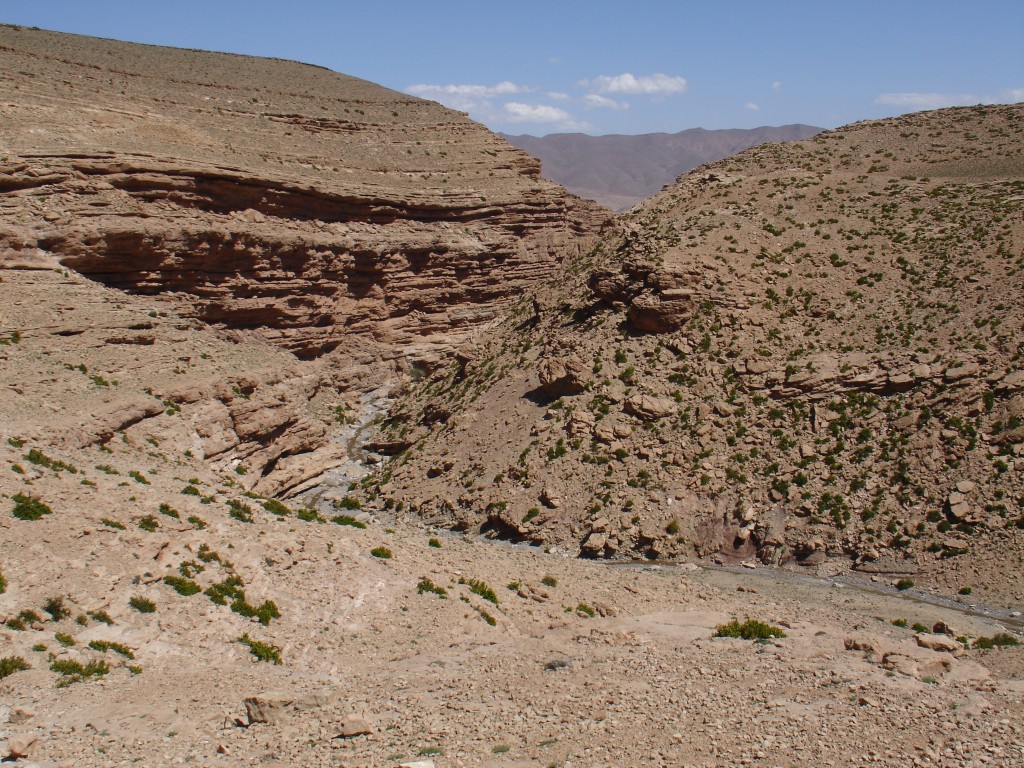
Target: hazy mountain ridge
x=619 y=170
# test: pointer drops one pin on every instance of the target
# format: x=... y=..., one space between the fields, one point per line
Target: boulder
x=563 y=376
x=649 y=407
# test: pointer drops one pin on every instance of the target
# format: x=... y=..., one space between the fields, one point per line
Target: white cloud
x=467 y=97
x=558 y=96
x=926 y=100
x=658 y=84
x=939 y=100
x=777 y=86
x=517 y=112
x=596 y=101
x=751 y=105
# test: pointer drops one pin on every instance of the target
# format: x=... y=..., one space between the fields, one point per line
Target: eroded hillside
x=354 y=227
x=809 y=350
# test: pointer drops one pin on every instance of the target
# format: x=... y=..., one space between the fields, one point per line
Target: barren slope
x=809 y=350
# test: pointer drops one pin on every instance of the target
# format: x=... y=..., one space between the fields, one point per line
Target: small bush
x=264 y=613
x=142 y=604
x=748 y=630
x=72 y=671
x=435 y=543
x=549 y=581
x=965 y=591
x=3 y=583
x=348 y=520
x=197 y=522
x=29 y=507
x=426 y=585
x=112 y=523
x=275 y=507
x=138 y=477
x=167 y=509
x=586 y=610
x=673 y=527
x=480 y=588
x=1000 y=640
x=64 y=639
x=149 y=523
x=899 y=623
x=309 y=516
x=190 y=490
x=382 y=552
x=11 y=664
x=184 y=587
x=262 y=651
x=239 y=511
x=101 y=616
x=919 y=627
x=56 y=608
x=904 y=584
x=105 y=645
x=349 y=503
x=485 y=615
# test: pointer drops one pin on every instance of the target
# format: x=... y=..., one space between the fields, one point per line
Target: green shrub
x=112 y=523
x=102 y=617
x=586 y=609
x=965 y=591
x=72 y=671
x=142 y=604
x=349 y=503
x=229 y=589
x=748 y=630
x=105 y=645
x=56 y=608
x=480 y=588
x=348 y=520
x=435 y=543
x=262 y=651
x=899 y=623
x=240 y=511
x=198 y=522
x=149 y=523
x=184 y=587
x=3 y=583
x=275 y=507
x=309 y=516
x=138 y=477
x=382 y=552
x=265 y=612
x=1002 y=639
x=29 y=507
x=919 y=627
x=549 y=581
x=11 y=664
x=64 y=639
x=485 y=615
x=904 y=584
x=40 y=459
x=673 y=527
x=426 y=585
x=167 y=509
x=190 y=490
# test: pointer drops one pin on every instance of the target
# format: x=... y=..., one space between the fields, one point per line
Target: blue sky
x=609 y=67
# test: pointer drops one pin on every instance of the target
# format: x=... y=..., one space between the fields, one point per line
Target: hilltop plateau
x=326 y=419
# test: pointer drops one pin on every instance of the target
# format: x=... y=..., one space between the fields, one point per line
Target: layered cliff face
x=357 y=230
x=316 y=208
x=810 y=350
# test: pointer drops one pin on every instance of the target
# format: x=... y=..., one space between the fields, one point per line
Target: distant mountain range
x=619 y=171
